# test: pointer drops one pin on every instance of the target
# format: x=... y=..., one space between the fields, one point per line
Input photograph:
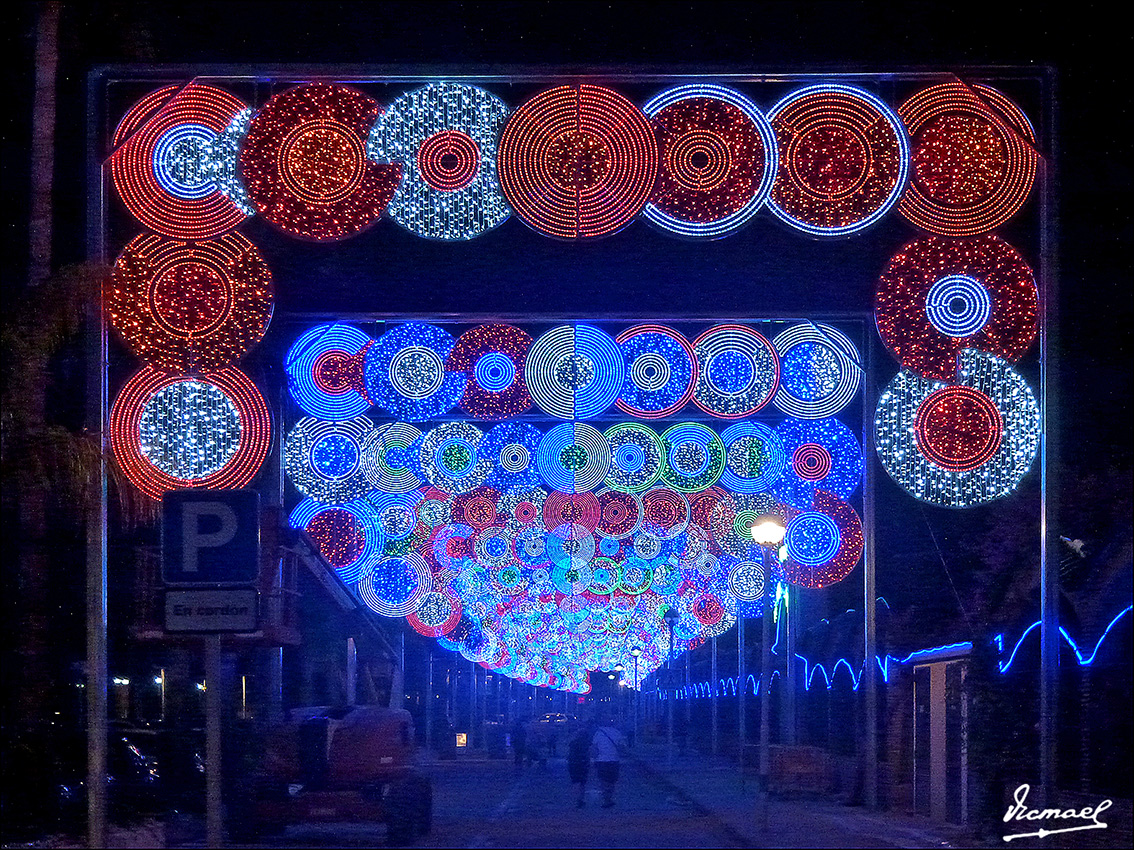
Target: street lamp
x=671 y=617
x=768 y=533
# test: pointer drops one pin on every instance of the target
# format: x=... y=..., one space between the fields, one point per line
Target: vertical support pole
x=472 y=703
x=351 y=672
x=791 y=605
x=869 y=681
x=670 y=693
x=714 y=724
x=275 y=683
x=214 y=816
x=766 y=677
x=688 y=701
x=741 y=678
x=429 y=701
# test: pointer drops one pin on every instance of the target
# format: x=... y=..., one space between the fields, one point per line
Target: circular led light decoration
x=665 y=511
x=304 y=163
x=406 y=372
x=450 y=458
x=938 y=296
x=733 y=517
x=717 y=159
x=694 y=457
x=577 y=161
x=395 y=587
x=476 y=508
x=745 y=579
x=962 y=444
x=823 y=545
x=636 y=456
x=325 y=371
x=621 y=516
x=974 y=159
x=820 y=371
x=660 y=370
x=324 y=459
x=573 y=458
x=171 y=432
x=582 y=509
x=452 y=545
x=738 y=371
x=444 y=136
x=492 y=359
x=844 y=159
x=160 y=162
x=386 y=459
x=222 y=156
x=348 y=536
x=823 y=454
x=754 y=455
x=512 y=447
x=437 y=615
x=189 y=307
x=574 y=371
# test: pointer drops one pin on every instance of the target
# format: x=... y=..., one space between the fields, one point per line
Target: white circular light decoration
x=324 y=459
x=820 y=371
x=189 y=430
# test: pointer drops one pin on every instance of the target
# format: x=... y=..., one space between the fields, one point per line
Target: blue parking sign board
x=210 y=538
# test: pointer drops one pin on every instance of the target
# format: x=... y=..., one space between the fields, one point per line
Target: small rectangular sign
x=210 y=538
x=213 y=610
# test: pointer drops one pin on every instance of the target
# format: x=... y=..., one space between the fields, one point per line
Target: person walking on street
x=579 y=761
x=607 y=746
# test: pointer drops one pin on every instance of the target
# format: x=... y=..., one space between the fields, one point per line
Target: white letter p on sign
x=193 y=539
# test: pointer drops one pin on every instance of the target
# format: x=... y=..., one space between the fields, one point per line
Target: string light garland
x=938 y=296
x=660 y=369
x=492 y=357
x=820 y=371
x=974 y=159
x=161 y=162
x=717 y=158
x=189 y=307
x=574 y=371
x=843 y=162
x=577 y=162
x=304 y=165
x=325 y=371
x=738 y=371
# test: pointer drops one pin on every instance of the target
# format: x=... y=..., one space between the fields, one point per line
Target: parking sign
x=210 y=538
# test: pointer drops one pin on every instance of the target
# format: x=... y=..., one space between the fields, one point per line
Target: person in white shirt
x=607 y=747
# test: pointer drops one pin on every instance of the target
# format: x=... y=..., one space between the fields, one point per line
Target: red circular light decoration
x=958 y=428
x=201 y=212
x=338 y=535
x=577 y=161
x=900 y=306
x=304 y=163
x=620 y=514
x=811 y=462
x=189 y=307
x=448 y=160
x=239 y=469
x=850 y=549
x=496 y=401
x=666 y=510
x=974 y=159
x=476 y=508
x=572 y=509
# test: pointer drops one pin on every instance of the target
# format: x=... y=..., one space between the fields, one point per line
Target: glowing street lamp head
x=768 y=531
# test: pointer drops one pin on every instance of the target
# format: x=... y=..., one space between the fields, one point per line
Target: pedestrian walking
x=607 y=746
x=579 y=761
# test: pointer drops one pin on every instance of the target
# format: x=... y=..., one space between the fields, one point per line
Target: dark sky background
x=765 y=269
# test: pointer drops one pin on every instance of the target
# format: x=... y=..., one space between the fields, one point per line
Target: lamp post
x=768 y=532
x=636 y=652
x=671 y=617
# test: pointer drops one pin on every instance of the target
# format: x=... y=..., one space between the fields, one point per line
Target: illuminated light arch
x=981 y=434
x=512 y=447
x=824 y=545
x=304 y=163
x=574 y=371
x=408 y=374
x=348 y=536
x=822 y=454
x=174 y=432
x=938 y=296
x=738 y=371
x=160 y=163
x=694 y=457
x=844 y=159
x=660 y=370
x=444 y=136
x=324 y=371
x=573 y=458
x=450 y=458
x=717 y=158
x=745 y=579
x=820 y=371
x=395 y=586
x=637 y=456
x=189 y=307
x=577 y=161
x=492 y=357
x=754 y=458
x=974 y=159
x=324 y=460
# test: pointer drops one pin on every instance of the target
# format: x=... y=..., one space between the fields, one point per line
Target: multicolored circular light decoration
x=173 y=432
x=637 y=456
x=386 y=459
x=621 y=517
x=961 y=444
x=738 y=371
x=304 y=163
x=820 y=371
x=444 y=136
x=824 y=545
x=492 y=357
x=437 y=615
x=325 y=371
x=348 y=536
x=449 y=457
x=732 y=518
x=324 y=459
x=822 y=454
x=717 y=158
x=974 y=159
x=512 y=446
x=407 y=372
x=573 y=458
x=395 y=586
x=660 y=369
x=844 y=159
x=574 y=371
x=160 y=162
x=754 y=458
x=938 y=296
x=694 y=457
x=189 y=307
x=577 y=161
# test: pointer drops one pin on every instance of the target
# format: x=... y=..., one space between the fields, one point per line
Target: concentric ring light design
x=574 y=371
x=820 y=371
x=325 y=371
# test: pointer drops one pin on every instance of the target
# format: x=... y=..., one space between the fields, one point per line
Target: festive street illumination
x=824 y=545
x=304 y=165
x=974 y=159
x=161 y=164
x=754 y=455
x=738 y=371
x=171 y=432
x=820 y=371
x=960 y=444
x=449 y=457
x=660 y=369
x=938 y=296
x=573 y=458
x=444 y=136
x=694 y=457
x=577 y=161
x=386 y=461
x=844 y=159
x=574 y=371
x=325 y=371
x=822 y=454
x=717 y=158
x=189 y=307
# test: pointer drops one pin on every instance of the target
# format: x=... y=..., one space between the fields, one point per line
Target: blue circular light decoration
x=820 y=371
x=336 y=541
x=181 y=162
x=406 y=372
x=958 y=305
x=449 y=458
x=637 y=457
x=812 y=538
x=512 y=447
x=738 y=371
x=754 y=455
x=323 y=459
x=660 y=371
x=573 y=458
x=445 y=137
x=396 y=512
x=396 y=586
x=442 y=540
x=324 y=371
x=494 y=371
x=386 y=459
x=822 y=454
x=694 y=455
x=574 y=371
